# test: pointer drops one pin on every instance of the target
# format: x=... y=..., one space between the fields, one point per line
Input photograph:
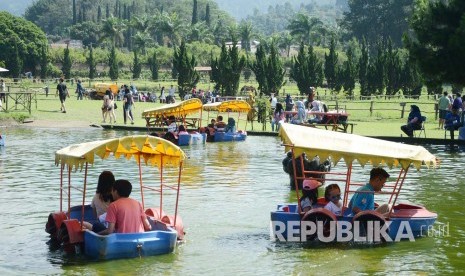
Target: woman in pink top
x=125 y=215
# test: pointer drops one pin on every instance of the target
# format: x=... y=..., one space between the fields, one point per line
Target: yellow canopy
x=228 y=106
x=153 y=150
x=179 y=109
x=350 y=147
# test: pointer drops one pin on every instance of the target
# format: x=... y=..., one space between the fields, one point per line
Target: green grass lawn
x=384 y=120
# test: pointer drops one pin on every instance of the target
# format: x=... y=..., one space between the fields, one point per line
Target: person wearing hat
x=364 y=197
x=413 y=122
x=310 y=194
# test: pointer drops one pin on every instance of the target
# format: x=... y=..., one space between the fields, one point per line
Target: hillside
x=240 y=9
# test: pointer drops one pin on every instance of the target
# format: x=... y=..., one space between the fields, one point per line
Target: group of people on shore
x=451 y=115
x=296 y=112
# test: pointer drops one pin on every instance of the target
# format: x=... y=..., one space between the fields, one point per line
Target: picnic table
x=336 y=121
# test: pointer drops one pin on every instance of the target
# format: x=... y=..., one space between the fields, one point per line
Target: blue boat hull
x=192 y=139
x=229 y=136
x=402 y=222
x=131 y=245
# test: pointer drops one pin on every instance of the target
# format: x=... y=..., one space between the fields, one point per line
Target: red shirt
x=127 y=214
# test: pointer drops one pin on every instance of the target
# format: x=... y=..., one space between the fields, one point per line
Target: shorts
x=62 y=98
x=443 y=113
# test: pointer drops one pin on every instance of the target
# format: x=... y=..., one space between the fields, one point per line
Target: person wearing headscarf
x=301 y=115
x=413 y=122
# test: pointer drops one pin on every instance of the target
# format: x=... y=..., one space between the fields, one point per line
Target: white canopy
x=350 y=147
x=3 y=70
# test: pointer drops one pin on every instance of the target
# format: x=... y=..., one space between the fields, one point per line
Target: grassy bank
x=384 y=120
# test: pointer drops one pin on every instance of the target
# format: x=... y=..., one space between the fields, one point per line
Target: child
x=310 y=194
x=333 y=195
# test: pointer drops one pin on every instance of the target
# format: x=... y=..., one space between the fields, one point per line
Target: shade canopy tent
x=180 y=109
x=3 y=70
x=228 y=106
x=351 y=147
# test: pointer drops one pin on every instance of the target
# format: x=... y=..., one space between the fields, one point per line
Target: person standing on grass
x=444 y=107
x=62 y=91
x=128 y=103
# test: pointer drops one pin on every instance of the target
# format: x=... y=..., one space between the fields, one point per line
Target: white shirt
x=171 y=91
x=274 y=101
x=335 y=209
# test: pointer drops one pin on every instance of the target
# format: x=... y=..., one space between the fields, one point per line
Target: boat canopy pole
x=161 y=185
x=84 y=195
x=177 y=194
x=140 y=182
x=346 y=192
x=397 y=188
x=62 y=167
x=69 y=191
x=296 y=182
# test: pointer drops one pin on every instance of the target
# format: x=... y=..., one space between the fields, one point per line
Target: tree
x=74 y=12
x=91 y=63
x=137 y=66
x=378 y=69
x=304 y=27
x=153 y=65
x=258 y=67
x=22 y=37
x=306 y=70
x=349 y=72
x=194 y=13
x=363 y=69
x=44 y=60
x=52 y=16
x=66 y=64
x=112 y=30
x=226 y=70
x=437 y=47
x=245 y=31
x=378 y=20
x=393 y=70
x=286 y=42
x=331 y=62
x=188 y=77
x=113 y=64
x=274 y=71
x=411 y=80
x=207 y=15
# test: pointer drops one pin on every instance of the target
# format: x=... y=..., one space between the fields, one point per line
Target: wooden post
x=403 y=110
x=371 y=108
x=436 y=111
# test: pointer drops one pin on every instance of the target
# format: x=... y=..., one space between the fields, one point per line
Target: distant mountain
x=16 y=7
x=240 y=9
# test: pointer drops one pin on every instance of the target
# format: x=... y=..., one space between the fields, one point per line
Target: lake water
x=228 y=192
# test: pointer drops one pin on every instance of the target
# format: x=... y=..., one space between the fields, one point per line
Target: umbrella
x=3 y=70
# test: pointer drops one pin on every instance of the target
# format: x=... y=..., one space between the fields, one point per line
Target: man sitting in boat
x=364 y=197
x=125 y=215
x=220 y=125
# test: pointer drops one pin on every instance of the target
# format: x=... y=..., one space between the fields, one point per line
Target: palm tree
x=286 y=42
x=142 y=40
x=245 y=32
x=304 y=27
x=200 y=32
x=113 y=29
x=170 y=26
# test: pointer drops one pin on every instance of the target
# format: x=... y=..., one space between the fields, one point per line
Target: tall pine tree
x=184 y=65
x=91 y=63
x=153 y=64
x=113 y=64
x=66 y=66
x=331 y=65
x=194 y=13
x=137 y=66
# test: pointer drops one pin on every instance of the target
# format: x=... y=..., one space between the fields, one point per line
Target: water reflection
x=228 y=192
